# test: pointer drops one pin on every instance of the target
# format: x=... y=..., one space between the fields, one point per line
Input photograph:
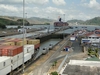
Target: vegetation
x=93 y=51
x=20 y=22
x=19 y=27
x=54 y=64
x=2 y=26
x=94 y=21
x=46 y=23
x=7 y=22
x=54 y=73
x=4 y=22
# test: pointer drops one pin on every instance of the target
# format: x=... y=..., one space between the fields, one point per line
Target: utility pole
x=23 y=32
x=26 y=26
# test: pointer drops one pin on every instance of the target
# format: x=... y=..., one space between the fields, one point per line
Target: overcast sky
x=73 y=9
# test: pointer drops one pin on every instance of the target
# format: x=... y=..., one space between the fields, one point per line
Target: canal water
x=51 y=28
x=46 y=44
x=54 y=41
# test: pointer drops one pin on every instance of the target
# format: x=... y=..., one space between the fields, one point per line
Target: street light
x=63 y=26
x=23 y=32
x=26 y=26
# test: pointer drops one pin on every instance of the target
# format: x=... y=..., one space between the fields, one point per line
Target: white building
x=92 y=37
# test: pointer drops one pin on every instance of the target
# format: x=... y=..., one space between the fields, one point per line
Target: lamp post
x=63 y=26
x=26 y=26
x=23 y=32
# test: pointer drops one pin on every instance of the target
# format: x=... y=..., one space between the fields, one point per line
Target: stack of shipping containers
x=11 y=53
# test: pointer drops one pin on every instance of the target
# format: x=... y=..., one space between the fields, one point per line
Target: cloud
x=92 y=4
x=12 y=2
x=37 y=1
x=8 y=8
x=59 y=2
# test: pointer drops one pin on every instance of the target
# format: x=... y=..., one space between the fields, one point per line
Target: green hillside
x=94 y=21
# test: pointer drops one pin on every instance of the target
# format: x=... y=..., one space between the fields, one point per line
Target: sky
x=52 y=9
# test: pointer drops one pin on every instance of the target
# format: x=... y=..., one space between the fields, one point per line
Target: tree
x=93 y=51
x=20 y=22
x=19 y=27
x=2 y=26
x=54 y=73
x=53 y=65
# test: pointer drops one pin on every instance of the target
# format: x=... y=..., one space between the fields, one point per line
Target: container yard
x=11 y=53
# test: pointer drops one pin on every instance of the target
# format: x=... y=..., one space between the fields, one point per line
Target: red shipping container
x=0 y=52
x=20 y=49
x=11 y=50
x=15 y=50
x=37 y=46
x=1 y=46
x=4 y=52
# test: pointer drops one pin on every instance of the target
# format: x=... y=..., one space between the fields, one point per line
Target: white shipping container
x=14 y=58
x=31 y=52
x=4 y=62
x=27 y=57
x=25 y=50
x=20 y=62
x=28 y=48
x=20 y=55
x=14 y=65
x=5 y=70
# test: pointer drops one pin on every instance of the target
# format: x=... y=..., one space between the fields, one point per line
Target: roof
x=93 y=59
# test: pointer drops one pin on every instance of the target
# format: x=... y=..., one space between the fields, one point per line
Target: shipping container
x=0 y=52
x=37 y=46
x=36 y=41
x=20 y=62
x=5 y=70
x=20 y=43
x=14 y=58
x=1 y=46
x=4 y=62
x=14 y=39
x=9 y=43
x=20 y=55
x=27 y=57
x=11 y=50
x=28 y=48
x=14 y=65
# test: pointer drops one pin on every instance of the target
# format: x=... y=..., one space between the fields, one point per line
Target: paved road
x=76 y=46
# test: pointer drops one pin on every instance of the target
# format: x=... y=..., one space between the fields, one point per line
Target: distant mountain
x=37 y=20
x=32 y=20
x=13 y=20
x=93 y=21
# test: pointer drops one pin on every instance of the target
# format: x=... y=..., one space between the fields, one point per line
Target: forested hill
x=93 y=21
x=6 y=20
